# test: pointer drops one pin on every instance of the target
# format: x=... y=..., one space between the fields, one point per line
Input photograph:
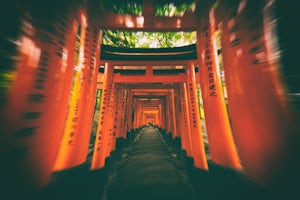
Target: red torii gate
x=45 y=126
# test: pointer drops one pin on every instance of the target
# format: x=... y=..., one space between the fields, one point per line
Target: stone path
x=148 y=171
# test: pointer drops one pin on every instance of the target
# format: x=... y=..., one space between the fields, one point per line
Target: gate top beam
x=145 y=22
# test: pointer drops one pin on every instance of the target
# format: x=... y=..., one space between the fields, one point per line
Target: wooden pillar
x=157 y=119
x=88 y=93
x=37 y=100
x=257 y=106
x=164 y=113
x=178 y=112
x=145 y=117
x=127 y=116
x=220 y=139
x=172 y=113
x=136 y=114
x=186 y=132
x=71 y=139
x=196 y=133
x=140 y=116
x=119 y=111
x=130 y=111
x=102 y=137
x=160 y=124
x=134 y=117
x=111 y=119
x=167 y=107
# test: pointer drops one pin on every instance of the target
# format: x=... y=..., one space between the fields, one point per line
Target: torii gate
x=45 y=126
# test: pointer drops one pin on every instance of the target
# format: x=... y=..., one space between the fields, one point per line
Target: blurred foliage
x=173 y=9
x=148 y=39
x=94 y=124
x=10 y=20
x=162 y=7
x=132 y=7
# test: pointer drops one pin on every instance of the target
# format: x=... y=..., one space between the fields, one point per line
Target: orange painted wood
x=196 y=133
x=129 y=124
x=71 y=138
x=37 y=102
x=149 y=78
x=119 y=112
x=145 y=63
x=102 y=137
x=173 y=113
x=181 y=119
x=166 y=106
x=161 y=117
x=111 y=120
x=135 y=114
x=186 y=132
x=124 y=114
x=257 y=107
x=169 y=113
x=220 y=139
x=178 y=112
x=88 y=93
x=122 y=130
x=25 y=110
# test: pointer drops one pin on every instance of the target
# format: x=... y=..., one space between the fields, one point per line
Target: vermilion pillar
x=37 y=102
x=111 y=120
x=186 y=131
x=256 y=101
x=161 y=121
x=134 y=111
x=221 y=143
x=160 y=124
x=61 y=83
x=102 y=137
x=137 y=114
x=130 y=116
x=71 y=136
x=119 y=111
x=164 y=113
x=144 y=117
x=172 y=114
x=166 y=106
x=88 y=94
x=178 y=112
x=25 y=106
x=126 y=117
x=196 y=133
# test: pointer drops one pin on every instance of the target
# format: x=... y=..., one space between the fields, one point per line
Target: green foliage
x=132 y=7
x=162 y=8
x=6 y=80
x=173 y=9
x=148 y=39
x=94 y=124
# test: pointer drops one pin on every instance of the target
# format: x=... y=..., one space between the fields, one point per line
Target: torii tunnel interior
x=85 y=120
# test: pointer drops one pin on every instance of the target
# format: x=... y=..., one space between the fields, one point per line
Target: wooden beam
x=125 y=22
x=150 y=90
x=144 y=63
x=152 y=86
x=118 y=78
